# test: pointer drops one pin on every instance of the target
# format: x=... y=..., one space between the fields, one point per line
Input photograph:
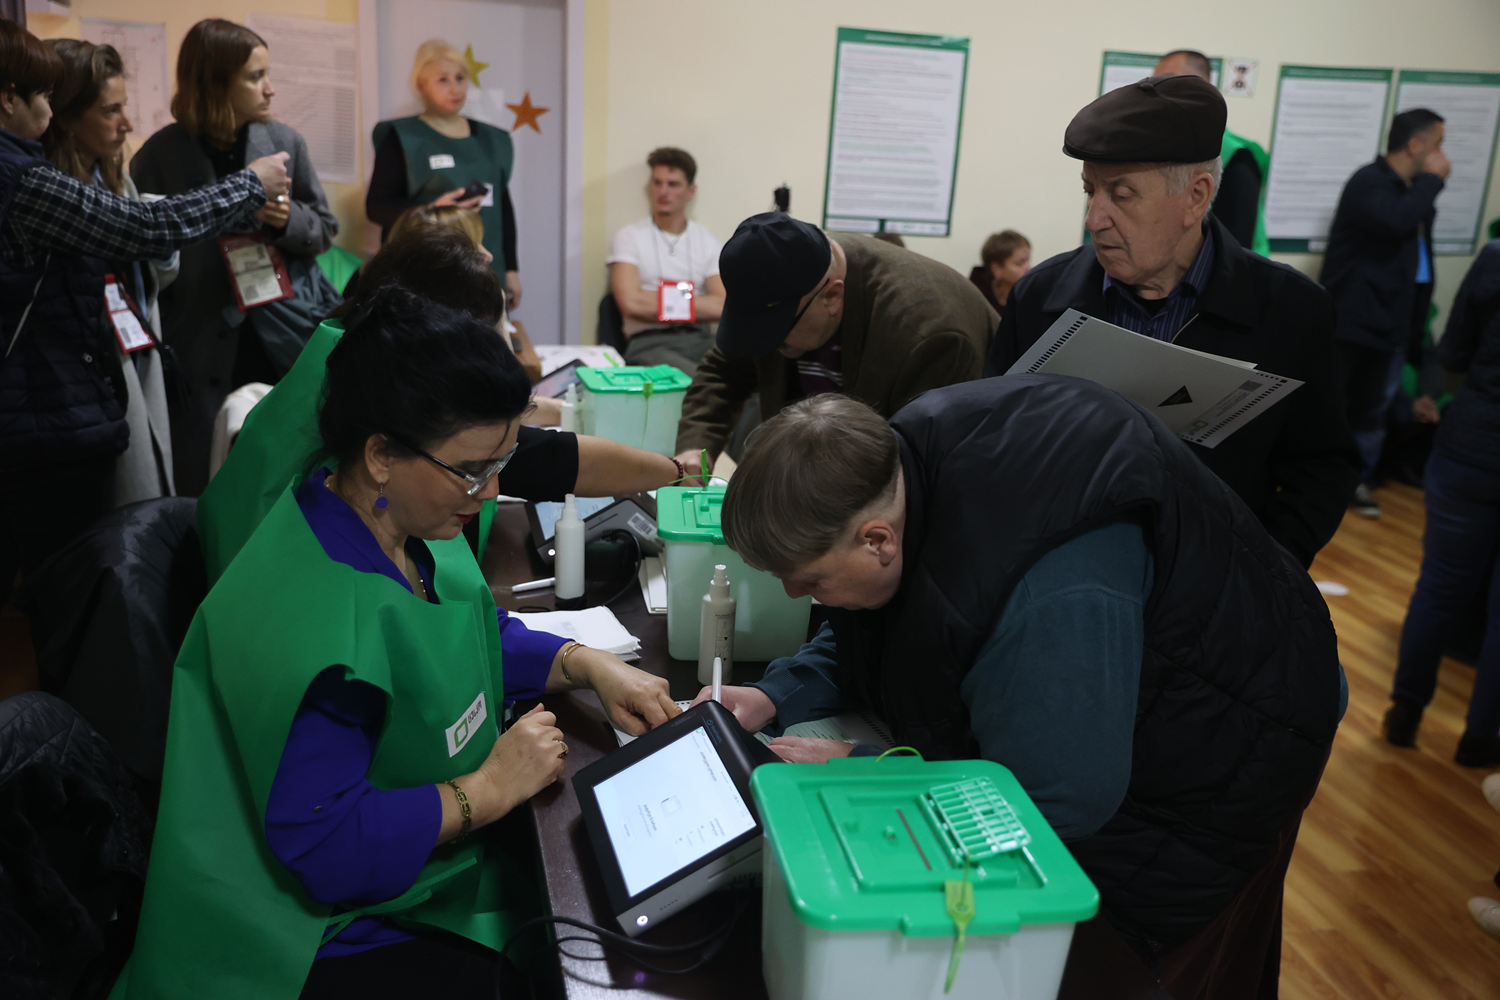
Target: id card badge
x=256 y=270
x=128 y=328
x=674 y=302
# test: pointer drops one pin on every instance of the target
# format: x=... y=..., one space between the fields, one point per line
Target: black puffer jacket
x=61 y=391
x=1470 y=431
x=73 y=844
x=1239 y=691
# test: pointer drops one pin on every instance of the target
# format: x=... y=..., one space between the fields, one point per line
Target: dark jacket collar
x=15 y=145
x=1229 y=297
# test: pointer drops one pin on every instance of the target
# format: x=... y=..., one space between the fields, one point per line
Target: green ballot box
x=903 y=878
x=633 y=405
x=767 y=623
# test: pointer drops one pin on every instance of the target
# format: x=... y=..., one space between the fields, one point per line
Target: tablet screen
x=669 y=809
x=548 y=511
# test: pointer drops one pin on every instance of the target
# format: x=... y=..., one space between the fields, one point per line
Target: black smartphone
x=476 y=189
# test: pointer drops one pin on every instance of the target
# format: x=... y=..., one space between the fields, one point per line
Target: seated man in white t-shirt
x=666 y=246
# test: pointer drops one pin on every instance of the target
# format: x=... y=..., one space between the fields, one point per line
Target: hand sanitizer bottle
x=567 y=560
x=568 y=421
x=716 y=631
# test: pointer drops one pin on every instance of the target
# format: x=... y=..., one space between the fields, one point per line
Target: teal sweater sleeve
x=1053 y=693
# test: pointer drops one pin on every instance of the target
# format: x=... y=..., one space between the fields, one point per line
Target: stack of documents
x=595 y=627
x=653 y=577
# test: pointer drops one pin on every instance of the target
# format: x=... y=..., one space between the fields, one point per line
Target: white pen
x=718 y=679
x=542 y=584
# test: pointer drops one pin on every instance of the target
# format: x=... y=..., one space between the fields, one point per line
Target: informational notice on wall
x=898 y=104
x=1329 y=123
x=315 y=68
x=1470 y=106
x=143 y=50
x=1121 y=68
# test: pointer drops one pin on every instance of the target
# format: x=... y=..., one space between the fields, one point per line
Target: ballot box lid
x=690 y=515
x=865 y=844
x=634 y=379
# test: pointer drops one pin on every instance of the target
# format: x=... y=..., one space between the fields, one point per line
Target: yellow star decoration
x=474 y=65
x=527 y=114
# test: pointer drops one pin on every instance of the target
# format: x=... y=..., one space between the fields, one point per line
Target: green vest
x=278 y=445
x=487 y=155
x=1233 y=144
x=222 y=917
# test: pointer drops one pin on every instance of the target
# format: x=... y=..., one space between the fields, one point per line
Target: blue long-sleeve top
x=348 y=842
x=1052 y=695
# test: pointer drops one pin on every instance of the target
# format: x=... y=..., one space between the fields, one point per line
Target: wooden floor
x=1395 y=842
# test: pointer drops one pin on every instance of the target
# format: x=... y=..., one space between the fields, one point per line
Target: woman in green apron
x=334 y=760
x=431 y=157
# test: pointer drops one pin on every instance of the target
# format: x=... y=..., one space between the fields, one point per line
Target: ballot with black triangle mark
x=1177 y=398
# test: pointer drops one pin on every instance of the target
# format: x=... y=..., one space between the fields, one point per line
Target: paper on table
x=653 y=577
x=850 y=727
x=595 y=627
x=1201 y=397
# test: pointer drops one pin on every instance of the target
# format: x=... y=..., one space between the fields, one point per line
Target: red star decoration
x=527 y=114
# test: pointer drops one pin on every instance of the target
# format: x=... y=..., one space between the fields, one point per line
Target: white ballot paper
x=851 y=727
x=1202 y=398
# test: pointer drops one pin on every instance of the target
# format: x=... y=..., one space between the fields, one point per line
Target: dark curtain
x=14 y=10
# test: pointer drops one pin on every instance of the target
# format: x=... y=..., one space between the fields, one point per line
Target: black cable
x=633 y=949
x=631 y=579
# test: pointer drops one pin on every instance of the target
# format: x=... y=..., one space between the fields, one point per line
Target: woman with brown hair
x=223 y=118
x=86 y=139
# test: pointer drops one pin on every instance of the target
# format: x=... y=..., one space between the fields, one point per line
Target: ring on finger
x=564 y=748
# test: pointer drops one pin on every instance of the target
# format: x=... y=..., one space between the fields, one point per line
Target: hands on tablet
x=750 y=706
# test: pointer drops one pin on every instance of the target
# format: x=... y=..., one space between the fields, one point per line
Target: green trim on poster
x=897 y=39
x=1147 y=61
x=1457 y=79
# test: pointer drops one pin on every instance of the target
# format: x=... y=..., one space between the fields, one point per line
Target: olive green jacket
x=910 y=324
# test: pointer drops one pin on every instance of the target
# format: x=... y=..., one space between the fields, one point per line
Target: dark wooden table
x=573 y=886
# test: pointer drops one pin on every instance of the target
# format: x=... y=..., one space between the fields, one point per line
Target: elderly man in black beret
x=1162 y=267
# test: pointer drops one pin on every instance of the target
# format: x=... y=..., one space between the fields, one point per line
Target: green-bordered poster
x=898 y=105
x=1121 y=68
x=1470 y=106
x=1329 y=123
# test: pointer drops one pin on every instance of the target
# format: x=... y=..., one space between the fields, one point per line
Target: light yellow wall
x=596 y=63
x=347 y=200
x=747 y=89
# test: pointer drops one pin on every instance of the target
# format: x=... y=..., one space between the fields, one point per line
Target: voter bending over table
x=334 y=750
x=1034 y=570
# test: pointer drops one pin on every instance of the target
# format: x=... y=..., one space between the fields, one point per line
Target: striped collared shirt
x=1178 y=307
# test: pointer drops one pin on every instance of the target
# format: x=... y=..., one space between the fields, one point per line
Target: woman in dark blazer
x=222 y=109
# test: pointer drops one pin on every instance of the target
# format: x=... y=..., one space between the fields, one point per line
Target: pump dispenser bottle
x=567 y=560
x=716 y=631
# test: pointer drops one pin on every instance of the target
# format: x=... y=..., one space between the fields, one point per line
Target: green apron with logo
x=1233 y=144
x=222 y=917
x=436 y=164
x=279 y=444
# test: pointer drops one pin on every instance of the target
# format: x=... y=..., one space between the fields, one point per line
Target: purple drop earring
x=381 y=503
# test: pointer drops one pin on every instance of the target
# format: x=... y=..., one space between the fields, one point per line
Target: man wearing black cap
x=1159 y=267
x=806 y=312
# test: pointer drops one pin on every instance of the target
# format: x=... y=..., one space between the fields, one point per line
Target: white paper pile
x=595 y=627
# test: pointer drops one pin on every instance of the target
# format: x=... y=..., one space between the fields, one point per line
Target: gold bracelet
x=463 y=808
x=563 y=660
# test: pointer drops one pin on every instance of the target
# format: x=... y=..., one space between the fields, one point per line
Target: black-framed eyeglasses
x=476 y=483
x=803 y=311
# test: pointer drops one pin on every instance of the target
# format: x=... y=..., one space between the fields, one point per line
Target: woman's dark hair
x=26 y=62
x=438 y=264
x=88 y=68
x=213 y=53
x=417 y=372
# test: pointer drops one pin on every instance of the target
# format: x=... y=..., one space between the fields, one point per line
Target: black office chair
x=611 y=332
x=108 y=614
x=74 y=840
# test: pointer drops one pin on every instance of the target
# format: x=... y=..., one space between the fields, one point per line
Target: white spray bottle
x=567 y=560
x=716 y=629
x=568 y=421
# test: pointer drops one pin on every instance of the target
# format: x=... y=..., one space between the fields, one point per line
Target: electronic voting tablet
x=670 y=815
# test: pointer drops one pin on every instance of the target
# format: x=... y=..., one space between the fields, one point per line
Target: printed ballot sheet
x=315 y=66
x=671 y=809
x=1201 y=397
x=1329 y=123
x=893 y=143
x=1470 y=105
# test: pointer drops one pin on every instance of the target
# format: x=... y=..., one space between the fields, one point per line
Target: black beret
x=1163 y=119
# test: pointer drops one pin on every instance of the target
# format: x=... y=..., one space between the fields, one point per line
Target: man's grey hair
x=1180 y=175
